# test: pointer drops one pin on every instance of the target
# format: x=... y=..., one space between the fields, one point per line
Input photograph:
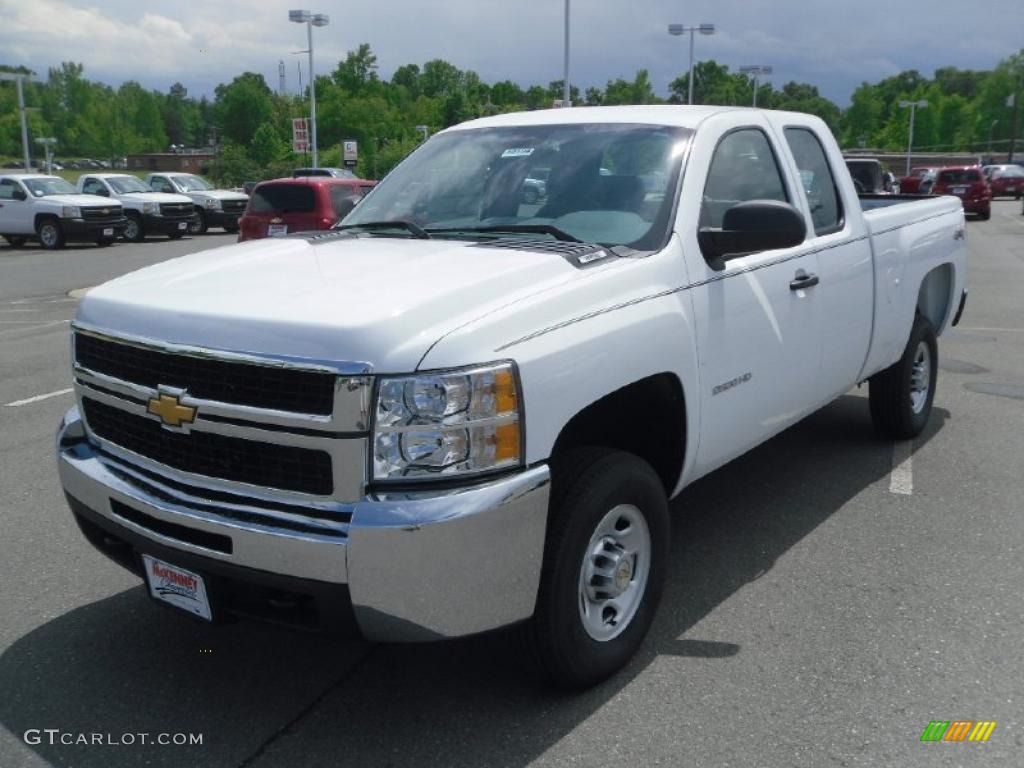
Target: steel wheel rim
x=131 y=229
x=920 y=377
x=48 y=234
x=614 y=572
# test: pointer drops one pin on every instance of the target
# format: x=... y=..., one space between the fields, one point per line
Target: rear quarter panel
x=909 y=241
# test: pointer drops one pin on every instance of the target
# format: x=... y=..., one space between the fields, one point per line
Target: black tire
x=198 y=224
x=587 y=485
x=985 y=215
x=231 y=226
x=51 y=236
x=133 y=231
x=15 y=241
x=891 y=391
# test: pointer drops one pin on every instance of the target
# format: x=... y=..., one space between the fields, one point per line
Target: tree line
x=251 y=124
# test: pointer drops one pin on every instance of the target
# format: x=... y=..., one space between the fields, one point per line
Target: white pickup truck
x=35 y=206
x=214 y=207
x=459 y=411
x=146 y=212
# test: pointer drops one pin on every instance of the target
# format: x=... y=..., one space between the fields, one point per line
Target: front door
x=759 y=317
x=16 y=215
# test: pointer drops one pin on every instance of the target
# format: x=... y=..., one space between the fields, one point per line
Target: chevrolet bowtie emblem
x=171 y=411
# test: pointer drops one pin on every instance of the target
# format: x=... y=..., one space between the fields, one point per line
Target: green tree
x=241 y=107
x=267 y=145
x=357 y=70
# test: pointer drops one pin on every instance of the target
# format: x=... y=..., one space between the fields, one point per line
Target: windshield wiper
x=414 y=230
x=530 y=229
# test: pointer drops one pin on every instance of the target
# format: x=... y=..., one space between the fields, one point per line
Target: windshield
x=1008 y=173
x=49 y=185
x=610 y=183
x=190 y=183
x=123 y=184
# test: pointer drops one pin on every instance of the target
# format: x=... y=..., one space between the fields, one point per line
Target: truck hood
x=379 y=301
x=217 y=194
x=152 y=197
x=80 y=199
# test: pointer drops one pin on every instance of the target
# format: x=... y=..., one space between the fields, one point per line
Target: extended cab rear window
x=283 y=198
x=955 y=177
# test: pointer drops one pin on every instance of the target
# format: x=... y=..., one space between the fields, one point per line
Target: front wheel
x=901 y=396
x=133 y=231
x=231 y=226
x=198 y=224
x=51 y=236
x=15 y=241
x=604 y=566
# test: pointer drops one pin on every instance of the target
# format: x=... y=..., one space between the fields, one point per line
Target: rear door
x=759 y=332
x=846 y=286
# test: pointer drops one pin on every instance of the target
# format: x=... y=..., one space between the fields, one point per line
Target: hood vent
x=578 y=254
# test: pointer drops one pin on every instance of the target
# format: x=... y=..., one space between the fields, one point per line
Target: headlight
x=151 y=207
x=448 y=423
x=71 y=212
x=213 y=203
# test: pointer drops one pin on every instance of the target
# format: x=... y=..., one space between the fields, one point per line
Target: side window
x=742 y=168
x=160 y=184
x=818 y=181
x=93 y=187
x=7 y=188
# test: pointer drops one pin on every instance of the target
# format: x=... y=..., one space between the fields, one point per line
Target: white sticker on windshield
x=519 y=152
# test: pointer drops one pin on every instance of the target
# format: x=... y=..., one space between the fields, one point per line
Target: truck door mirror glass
x=749 y=227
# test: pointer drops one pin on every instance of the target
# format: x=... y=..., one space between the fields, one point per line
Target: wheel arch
x=646 y=418
x=935 y=300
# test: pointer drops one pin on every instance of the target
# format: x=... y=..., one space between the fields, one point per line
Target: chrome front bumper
x=420 y=565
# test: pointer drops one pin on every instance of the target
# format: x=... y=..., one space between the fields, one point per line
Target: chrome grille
x=176 y=210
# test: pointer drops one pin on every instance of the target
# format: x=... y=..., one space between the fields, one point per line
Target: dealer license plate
x=182 y=224
x=276 y=230
x=108 y=232
x=181 y=588
x=959 y=190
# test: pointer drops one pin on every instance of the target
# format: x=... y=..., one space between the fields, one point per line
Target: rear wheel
x=231 y=226
x=985 y=215
x=51 y=237
x=604 y=566
x=133 y=228
x=198 y=224
x=901 y=396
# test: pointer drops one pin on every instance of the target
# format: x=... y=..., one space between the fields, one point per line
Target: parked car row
x=105 y=206
x=971 y=183
x=1005 y=180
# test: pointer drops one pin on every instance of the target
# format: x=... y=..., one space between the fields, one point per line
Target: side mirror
x=749 y=227
x=19 y=194
x=103 y=192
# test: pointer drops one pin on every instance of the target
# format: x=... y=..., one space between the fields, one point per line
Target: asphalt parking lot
x=830 y=594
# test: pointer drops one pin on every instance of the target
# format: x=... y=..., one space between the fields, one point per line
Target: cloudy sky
x=834 y=44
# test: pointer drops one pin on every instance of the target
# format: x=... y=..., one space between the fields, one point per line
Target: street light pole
x=311 y=20
x=914 y=105
x=682 y=29
x=18 y=79
x=565 y=74
x=754 y=70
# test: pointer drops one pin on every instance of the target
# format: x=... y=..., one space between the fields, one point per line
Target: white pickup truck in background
x=461 y=410
x=213 y=207
x=35 y=206
x=146 y=212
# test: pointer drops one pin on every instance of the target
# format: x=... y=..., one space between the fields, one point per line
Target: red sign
x=300 y=134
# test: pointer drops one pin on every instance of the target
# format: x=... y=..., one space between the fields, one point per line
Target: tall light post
x=565 y=73
x=914 y=105
x=755 y=71
x=18 y=79
x=991 y=128
x=311 y=20
x=682 y=29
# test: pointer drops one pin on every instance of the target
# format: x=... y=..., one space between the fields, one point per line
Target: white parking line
x=901 y=480
x=37 y=398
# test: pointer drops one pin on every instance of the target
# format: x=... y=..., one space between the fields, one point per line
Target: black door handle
x=803 y=281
